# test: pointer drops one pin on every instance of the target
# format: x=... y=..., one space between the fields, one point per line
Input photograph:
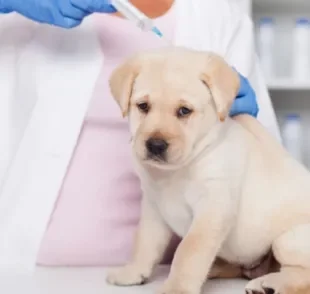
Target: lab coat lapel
x=49 y=110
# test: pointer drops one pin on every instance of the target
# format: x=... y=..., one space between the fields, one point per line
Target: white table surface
x=92 y=281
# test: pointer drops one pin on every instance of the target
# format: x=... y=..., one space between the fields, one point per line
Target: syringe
x=139 y=18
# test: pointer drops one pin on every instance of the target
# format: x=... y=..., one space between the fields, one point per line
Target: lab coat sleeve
x=241 y=53
x=222 y=26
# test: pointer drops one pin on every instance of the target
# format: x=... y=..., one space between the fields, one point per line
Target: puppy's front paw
x=127 y=276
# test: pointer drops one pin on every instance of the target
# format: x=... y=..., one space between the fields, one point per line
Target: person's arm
x=61 y=13
x=242 y=54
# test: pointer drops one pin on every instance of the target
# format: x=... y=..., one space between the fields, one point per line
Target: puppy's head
x=173 y=98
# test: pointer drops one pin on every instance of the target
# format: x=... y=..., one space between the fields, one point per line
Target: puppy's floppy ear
x=223 y=82
x=122 y=81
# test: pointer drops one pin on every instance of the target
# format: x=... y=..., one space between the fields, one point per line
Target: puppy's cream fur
x=225 y=186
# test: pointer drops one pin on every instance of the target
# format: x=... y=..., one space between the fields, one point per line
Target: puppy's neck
x=216 y=136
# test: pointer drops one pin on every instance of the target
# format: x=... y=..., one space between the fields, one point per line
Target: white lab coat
x=47 y=73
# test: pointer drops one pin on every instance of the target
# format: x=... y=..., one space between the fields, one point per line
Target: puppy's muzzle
x=156 y=148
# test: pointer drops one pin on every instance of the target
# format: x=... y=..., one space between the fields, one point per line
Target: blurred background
x=283 y=43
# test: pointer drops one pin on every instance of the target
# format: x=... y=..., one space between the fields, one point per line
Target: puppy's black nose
x=156 y=146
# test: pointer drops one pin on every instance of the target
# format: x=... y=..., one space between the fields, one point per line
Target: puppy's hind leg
x=292 y=251
x=224 y=270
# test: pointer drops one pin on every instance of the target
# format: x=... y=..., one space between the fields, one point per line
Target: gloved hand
x=4 y=9
x=94 y=5
x=62 y=13
x=245 y=102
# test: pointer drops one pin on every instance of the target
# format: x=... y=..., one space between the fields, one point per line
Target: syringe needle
x=132 y=13
x=157 y=31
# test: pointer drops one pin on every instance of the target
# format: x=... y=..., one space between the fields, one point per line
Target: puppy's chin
x=151 y=160
x=161 y=163
x=156 y=162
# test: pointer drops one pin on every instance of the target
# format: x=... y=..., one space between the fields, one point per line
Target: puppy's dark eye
x=144 y=107
x=183 y=111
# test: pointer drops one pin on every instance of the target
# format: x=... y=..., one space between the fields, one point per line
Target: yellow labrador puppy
x=224 y=185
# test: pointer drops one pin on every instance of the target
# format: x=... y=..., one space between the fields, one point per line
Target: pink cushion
x=98 y=208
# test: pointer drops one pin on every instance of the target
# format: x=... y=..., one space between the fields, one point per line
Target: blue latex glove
x=94 y=5
x=5 y=10
x=62 y=13
x=245 y=102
